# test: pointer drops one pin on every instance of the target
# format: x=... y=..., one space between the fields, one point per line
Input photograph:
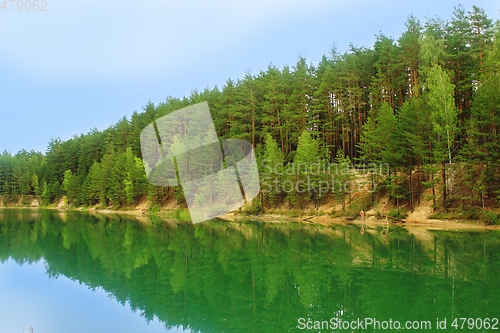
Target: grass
x=450 y=215
x=342 y=213
x=469 y=213
x=291 y=213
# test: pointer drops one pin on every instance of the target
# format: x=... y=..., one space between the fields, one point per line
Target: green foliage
x=180 y=214
x=471 y=213
x=254 y=208
x=45 y=194
x=198 y=268
x=420 y=104
x=467 y=213
x=398 y=213
x=71 y=187
x=309 y=162
x=272 y=167
x=440 y=99
x=24 y=184
x=492 y=218
x=25 y=200
x=93 y=184
x=35 y=185
x=154 y=209
x=179 y=194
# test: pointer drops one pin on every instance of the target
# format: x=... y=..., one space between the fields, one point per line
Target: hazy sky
x=86 y=64
x=55 y=305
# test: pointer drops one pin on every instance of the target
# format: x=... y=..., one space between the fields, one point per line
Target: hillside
x=420 y=114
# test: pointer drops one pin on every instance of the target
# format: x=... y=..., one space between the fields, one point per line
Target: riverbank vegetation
x=426 y=104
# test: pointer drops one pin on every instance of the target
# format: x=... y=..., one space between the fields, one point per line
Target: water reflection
x=250 y=277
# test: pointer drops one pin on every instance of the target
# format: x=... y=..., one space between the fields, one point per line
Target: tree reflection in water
x=252 y=277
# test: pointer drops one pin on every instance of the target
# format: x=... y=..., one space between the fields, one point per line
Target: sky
x=28 y=286
x=80 y=65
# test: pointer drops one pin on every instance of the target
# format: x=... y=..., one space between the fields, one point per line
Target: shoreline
x=431 y=224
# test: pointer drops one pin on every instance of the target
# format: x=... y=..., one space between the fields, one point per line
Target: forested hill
x=427 y=101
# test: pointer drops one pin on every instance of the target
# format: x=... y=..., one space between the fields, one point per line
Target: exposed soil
x=416 y=219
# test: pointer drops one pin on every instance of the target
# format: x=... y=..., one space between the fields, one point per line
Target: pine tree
x=378 y=147
x=342 y=179
x=70 y=185
x=93 y=183
x=24 y=184
x=35 y=185
x=272 y=165
x=410 y=50
x=410 y=141
x=481 y=30
x=117 y=174
x=309 y=162
x=45 y=193
x=135 y=179
x=106 y=169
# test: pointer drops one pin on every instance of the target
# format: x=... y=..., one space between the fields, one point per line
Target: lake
x=78 y=272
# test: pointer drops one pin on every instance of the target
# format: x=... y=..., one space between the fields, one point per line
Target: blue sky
x=34 y=298
x=86 y=64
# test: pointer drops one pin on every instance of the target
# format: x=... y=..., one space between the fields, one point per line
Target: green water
x=251 y=277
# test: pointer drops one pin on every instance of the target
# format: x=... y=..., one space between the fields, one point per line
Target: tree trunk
x=444 y=185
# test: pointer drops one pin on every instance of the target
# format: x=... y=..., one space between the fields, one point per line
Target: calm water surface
x=75 y=272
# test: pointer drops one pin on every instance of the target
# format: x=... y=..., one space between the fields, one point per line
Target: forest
x=426 y=104
x=195 y=274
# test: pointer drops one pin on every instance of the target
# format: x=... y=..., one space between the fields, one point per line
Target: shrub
x=25 y=200
x=293 y=213
x=398 y=213
x=182 y=214
x=492 y=218
x=320 y=213
x=471 y=213
x=155 y=208
x=255 y=208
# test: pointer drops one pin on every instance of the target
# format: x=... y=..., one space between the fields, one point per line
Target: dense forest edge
x=414 y=120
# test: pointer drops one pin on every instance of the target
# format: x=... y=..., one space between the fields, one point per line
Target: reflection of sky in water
x=29 y=297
